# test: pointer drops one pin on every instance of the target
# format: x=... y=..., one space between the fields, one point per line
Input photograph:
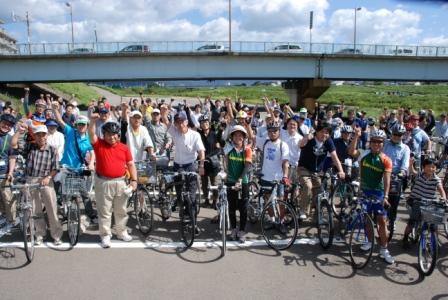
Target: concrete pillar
x=305 y=92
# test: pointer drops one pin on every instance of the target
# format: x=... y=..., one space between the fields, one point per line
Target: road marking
x=166 y=245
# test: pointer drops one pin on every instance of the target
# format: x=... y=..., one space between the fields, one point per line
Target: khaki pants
x=110 y=197
x=310 y=186
x=45 y=196
x=7 y=203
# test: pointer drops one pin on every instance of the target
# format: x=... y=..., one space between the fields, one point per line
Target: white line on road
x=165 y=245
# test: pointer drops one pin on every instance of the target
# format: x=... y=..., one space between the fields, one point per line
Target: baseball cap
x=135 y=113
x=156 y=111
x=82 y=120
x=40 y=102
x=103 y=110
x=277 y=109
x=180 y=116
x=51 y=122
x=303 y=110
x=40 y=128
x=241 y=115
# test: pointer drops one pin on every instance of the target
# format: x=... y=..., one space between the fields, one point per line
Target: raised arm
x=26 y=100
x=92 y=126
x=57 y=114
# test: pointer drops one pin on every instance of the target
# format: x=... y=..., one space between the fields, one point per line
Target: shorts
x=377 y=209
x=268 y=184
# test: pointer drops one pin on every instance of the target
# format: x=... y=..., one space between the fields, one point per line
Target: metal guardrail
x=239 y=47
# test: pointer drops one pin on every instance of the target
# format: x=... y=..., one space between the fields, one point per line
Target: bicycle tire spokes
x=361 y=241
x=144 y=210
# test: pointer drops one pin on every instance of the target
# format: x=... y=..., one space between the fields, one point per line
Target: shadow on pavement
x=10 y=259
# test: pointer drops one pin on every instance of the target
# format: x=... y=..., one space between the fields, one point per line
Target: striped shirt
x=425 y=188
x=40 y=163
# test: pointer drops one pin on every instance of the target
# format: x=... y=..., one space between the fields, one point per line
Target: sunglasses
x=376 y=142
x=273 y=130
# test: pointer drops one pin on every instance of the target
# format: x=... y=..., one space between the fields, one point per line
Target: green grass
x=15 y=101
x=371 y=98
x=81 y=90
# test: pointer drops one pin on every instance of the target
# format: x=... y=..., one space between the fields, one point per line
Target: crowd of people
x=294 y=147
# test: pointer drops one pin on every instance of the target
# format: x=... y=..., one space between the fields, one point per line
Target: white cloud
x=436 y=41
x=188 y=20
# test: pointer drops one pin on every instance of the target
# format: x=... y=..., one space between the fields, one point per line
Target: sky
x=387 y=22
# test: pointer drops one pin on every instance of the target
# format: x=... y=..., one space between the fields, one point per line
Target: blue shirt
x=418 y=141
x=308 y=122
x=399 y=154
x=71 y=155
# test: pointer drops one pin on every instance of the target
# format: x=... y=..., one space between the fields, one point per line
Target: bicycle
x=278 y=220
x=187 y=213
x=141 y=198
x=432 y=215
x=222 y=206
x=395 y=192
x=25 y=217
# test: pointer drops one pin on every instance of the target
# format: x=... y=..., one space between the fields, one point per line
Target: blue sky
x=379 y=21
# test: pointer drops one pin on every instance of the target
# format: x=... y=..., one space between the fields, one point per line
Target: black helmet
x=111 y=127
x=398 y=129
x=203 y=118
x=274 y=125
x=8 y=118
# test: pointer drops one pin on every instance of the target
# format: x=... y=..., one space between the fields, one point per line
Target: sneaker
x=94 y=220
x=57 y=242
x=125 y=237
x=105 y=242
x=233 y=235
x=38 y=240
x=302 y=217
x=384 y=253
x=366 y=247
x=241 y=236
x=196 y=231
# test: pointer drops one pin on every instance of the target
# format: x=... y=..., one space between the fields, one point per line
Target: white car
x=287 y=48
x=211 y=48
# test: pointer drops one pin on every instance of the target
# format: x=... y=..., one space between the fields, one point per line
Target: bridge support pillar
x=305 y=92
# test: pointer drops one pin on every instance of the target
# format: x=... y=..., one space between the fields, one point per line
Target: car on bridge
x=287 y=48
x=212 y=48
x=82 y=51
x=349 y=51
x=135 y=49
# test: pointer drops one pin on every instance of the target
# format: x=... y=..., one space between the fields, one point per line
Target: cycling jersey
x=399 y=155
x=235 y=164
x=373 y=166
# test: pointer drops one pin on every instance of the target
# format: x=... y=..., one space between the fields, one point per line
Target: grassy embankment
x=82 y=91
x=370 y=98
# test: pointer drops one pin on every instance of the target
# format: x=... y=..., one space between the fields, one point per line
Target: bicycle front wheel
x=279 y=225
x=187 y=223
x=361 y=241
x=73 y=221
x=223 y=227
x=427 y=252
x=253 y=210
x=340 y=198
x=28 y=234
x=325 y=227
x=144 y=210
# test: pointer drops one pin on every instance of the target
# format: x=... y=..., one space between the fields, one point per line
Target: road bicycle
x=141 y=199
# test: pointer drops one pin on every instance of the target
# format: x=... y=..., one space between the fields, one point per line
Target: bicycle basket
x=432 y=214
x=73 y=185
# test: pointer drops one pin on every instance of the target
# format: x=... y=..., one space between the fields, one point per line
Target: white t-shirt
x=195 y=118
x=293 y=144
x=305 y=129
x=138 y=142
x=273 y=156
x=57 y=141
x=186 y=145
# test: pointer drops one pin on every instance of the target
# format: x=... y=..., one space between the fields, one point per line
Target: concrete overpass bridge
x=307 y=74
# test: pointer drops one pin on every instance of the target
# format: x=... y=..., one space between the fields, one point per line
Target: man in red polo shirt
x=112 y=160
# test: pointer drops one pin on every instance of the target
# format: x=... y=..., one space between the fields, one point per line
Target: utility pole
x=311 y=29
x=16 y=18
x=230 y=25
x=71 y=20
x=354 y=31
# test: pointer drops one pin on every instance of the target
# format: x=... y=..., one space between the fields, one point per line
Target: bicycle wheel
x=144 y=210
x=73 y=221
x=28 y=234
x=187 y=223
x=361 y=241
x=223 y=227
x=427 y=251
x=278 y=232
x=325 y=227
x=340 y=198
x=253 y=210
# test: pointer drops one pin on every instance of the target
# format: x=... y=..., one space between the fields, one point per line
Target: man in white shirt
x=292 y=138
x=54 y=137
x=188 y=147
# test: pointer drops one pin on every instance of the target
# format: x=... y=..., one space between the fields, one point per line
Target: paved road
x=156 y=268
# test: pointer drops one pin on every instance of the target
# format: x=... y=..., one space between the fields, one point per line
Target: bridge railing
x=219 y=46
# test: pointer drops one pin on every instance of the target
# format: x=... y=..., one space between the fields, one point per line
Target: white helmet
x=238 y=128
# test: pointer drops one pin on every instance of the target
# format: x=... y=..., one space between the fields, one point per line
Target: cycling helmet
x=238 y=128
x=422 y=113
x=111 y=127
x=398 y=129
x=347 y=129
x=8 y=118
x=274 y=125
x=203 y=118
x=40 y=102
x=378 y=134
